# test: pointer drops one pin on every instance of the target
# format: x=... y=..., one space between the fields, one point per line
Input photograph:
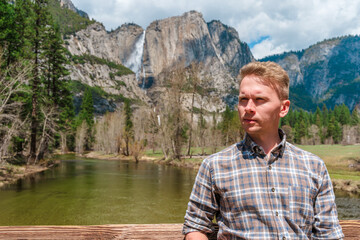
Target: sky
x=268 y=26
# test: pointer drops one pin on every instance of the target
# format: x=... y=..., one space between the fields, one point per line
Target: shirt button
x=270 y=167
x=276 y=213
x=273 y=189
x=284 y=238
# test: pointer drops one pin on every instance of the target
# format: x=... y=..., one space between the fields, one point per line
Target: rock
x=167 y=43
x=115 y=46
x=233 y=52
x=188 y=38
x=326 y=72
x=68 y=4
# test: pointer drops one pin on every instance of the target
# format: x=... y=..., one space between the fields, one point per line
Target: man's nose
x=250 y=107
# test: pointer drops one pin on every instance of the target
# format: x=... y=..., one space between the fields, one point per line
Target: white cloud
x=267 y=47
x=290 y=24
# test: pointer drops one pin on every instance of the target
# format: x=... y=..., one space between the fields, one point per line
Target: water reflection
x=90 y=192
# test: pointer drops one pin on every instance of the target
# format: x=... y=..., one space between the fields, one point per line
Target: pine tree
x=332 y=128
x=355 y=119
x=87 y=109
x=7 y=21
x=16 y=29
x=337 y=135
x=86 y=115
x=318 y=118
x=325 y=116
x=345 y=115
x=40 y=23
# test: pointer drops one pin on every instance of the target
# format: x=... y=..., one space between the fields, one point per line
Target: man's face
x=260 y=107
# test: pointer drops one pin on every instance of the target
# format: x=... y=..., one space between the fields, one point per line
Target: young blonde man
x=263 y=187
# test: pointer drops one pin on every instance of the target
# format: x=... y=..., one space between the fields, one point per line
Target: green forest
x=38 y=117
x=36 y=103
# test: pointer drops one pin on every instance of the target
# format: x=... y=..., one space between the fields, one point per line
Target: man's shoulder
x=224 y=155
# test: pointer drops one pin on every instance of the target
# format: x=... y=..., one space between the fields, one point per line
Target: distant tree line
x=324 y=126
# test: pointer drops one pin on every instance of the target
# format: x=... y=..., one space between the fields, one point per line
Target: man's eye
x=260 y=99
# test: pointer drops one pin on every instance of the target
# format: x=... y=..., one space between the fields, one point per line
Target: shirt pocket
x=301 y=204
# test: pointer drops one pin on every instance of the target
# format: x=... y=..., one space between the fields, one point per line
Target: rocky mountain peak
x=188 y=38
x=68 y=4
x=233 y=51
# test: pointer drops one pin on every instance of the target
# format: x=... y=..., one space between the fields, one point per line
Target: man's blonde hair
x=270 y=74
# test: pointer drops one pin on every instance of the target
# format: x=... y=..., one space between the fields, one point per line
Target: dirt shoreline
x=10 y=174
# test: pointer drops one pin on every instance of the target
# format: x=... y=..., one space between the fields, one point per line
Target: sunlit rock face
x=116 y=46
x=188 y=38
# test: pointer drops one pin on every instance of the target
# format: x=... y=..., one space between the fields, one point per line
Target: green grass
x=157 y=153
x=337 y=159
x=121 y=70
x=334 y=152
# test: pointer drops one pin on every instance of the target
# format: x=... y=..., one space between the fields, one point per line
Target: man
x=263 y=187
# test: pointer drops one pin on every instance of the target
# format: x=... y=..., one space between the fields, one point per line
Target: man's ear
x=285 y=105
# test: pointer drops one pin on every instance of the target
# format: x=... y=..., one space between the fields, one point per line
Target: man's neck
x=268 y=142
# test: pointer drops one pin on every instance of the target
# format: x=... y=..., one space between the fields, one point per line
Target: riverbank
x=343 y=171
x=193 y=163
x=11 y=173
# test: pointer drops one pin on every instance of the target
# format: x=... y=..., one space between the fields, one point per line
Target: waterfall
x=135 y=60
x=143 y=80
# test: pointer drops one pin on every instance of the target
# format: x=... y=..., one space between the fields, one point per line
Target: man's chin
x=250 y=128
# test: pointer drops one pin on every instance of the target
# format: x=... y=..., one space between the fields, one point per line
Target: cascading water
x=143 y=81
x=135 y=60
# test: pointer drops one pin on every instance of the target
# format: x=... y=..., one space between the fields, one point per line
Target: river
x=91 y=192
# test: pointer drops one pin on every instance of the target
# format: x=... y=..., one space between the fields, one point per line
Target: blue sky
x=268 y=26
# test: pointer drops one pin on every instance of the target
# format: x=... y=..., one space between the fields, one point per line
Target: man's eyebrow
x=253 y=95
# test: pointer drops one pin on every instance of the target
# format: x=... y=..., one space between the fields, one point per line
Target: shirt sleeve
x=326 y=224
x=202 y=205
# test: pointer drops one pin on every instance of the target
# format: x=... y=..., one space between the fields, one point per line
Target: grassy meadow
x=337 y=159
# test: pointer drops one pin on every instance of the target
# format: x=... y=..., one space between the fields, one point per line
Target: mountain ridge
x=320 y=74
x=327 y=72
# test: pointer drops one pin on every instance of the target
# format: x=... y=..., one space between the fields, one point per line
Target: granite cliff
x=164 y=45
x=188 y=38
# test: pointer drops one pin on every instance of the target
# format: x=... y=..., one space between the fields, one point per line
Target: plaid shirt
x=286 y=195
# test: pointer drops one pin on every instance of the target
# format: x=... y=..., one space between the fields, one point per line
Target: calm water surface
x=91 y=192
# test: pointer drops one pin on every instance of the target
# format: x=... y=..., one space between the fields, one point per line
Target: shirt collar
x=256 y=149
